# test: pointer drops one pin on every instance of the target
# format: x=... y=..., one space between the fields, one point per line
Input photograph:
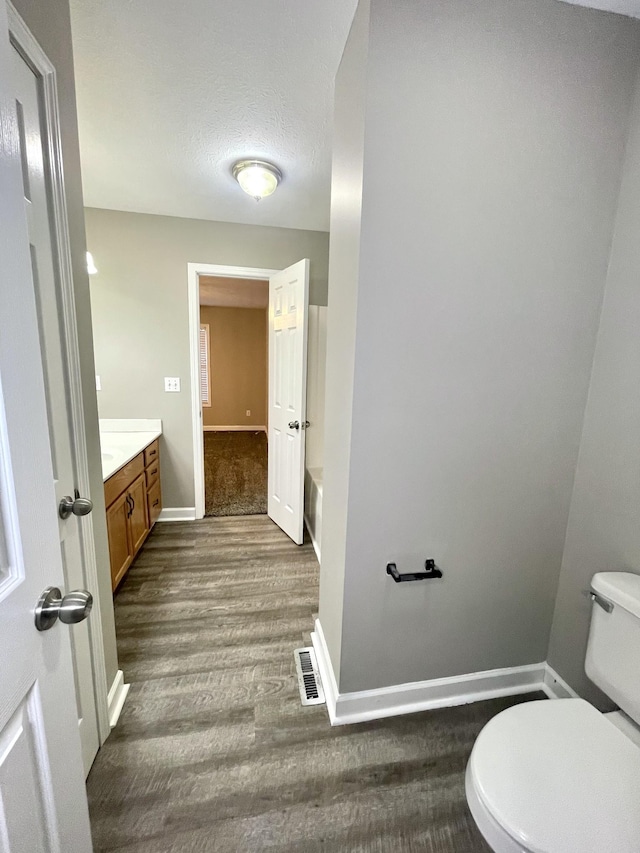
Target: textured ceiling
x=171 y=94
x=233 y=292
x=631 y=8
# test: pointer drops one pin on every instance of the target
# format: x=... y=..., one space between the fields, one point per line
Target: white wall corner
x=178 y=513
x=556 y=687
x=314 y=541
x=115 y=699
x=326 y=671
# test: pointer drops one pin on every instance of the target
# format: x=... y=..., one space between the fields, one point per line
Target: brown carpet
x=235 y=473
x=214 y=753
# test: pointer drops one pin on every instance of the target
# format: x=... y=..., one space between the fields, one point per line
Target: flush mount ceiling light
x=257 y=177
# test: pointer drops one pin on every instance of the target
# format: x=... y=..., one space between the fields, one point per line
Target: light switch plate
x=171 y=383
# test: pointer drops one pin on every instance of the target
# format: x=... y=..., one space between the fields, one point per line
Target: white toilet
x=559 y=776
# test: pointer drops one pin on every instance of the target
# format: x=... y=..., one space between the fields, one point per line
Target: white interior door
x=37 y=200
x=288 y=322
x=42 y=797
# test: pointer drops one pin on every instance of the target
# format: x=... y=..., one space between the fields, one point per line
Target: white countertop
x=122 y=440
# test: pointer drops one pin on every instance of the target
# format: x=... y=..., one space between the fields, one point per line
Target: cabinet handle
x=152 y=473
x=128 y=499
x=156 y=502
x=152 y=453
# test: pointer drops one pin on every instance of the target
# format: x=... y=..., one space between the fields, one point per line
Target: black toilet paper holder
x=431 y=571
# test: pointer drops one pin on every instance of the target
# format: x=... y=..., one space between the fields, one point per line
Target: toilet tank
x=613 y=651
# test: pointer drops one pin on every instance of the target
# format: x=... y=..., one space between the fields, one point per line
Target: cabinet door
x=138 y=520
x=120 y=550
x=154 y=502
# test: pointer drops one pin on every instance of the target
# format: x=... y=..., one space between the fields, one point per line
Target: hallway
x=213 y=751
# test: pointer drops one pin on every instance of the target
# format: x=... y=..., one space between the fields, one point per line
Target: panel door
x=42 y=795
x=120 y=550
x=138 y=520
x=36 y=188
x=288 y=323
x=154 y=502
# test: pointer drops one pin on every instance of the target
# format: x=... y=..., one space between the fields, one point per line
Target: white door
x=37 y=201
x=42 y=797
x=288 y=321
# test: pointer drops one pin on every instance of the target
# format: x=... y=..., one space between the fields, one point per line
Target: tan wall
x=238 y=366
x=49 y=22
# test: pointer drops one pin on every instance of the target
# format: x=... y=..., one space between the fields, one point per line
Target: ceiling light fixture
x=257 y=177
x=91 y=267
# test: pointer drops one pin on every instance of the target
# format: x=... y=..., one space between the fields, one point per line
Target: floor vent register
x=309 y=683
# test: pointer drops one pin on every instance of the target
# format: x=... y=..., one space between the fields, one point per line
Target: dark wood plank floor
x=214 y=752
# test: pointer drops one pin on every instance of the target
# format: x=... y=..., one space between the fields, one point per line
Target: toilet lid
x=559 y=778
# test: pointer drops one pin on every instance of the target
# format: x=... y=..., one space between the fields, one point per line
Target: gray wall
x=316 y=372
x=487 y=217
x=346 y=212
x=604 y=527
x=140 y=313
x=50 y=24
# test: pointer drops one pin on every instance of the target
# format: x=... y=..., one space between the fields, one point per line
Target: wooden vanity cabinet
x=134 y=503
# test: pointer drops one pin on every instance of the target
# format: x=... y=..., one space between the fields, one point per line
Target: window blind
x=205 y=385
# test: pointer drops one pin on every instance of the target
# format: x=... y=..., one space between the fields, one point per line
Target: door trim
x=23 y=40
x=194 y=271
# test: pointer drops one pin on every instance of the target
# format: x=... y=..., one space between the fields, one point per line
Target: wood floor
x=213 y=751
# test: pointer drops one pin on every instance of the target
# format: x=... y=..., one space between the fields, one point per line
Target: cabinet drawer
x=122 y=479
x=152 y=473
x=151 y=453
x=154 y=500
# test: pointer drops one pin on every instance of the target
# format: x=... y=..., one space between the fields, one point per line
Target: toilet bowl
x=555 y=777
x=559 y=776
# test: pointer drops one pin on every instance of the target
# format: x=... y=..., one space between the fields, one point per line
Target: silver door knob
x=74 y=607
x=294 y=424
x=77 y=506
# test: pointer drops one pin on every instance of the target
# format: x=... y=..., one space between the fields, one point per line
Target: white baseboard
x=178 y=513
x=236 y=428
x=326 y=671
x=116 y=696
x=416 y=696
x=314 y=542
x=556 y=687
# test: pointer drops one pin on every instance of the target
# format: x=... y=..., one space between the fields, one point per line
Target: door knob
x=77 y=506
x=74 y=607
x=294 y=424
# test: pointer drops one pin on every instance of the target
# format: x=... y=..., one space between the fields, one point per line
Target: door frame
x=23 y=40
x=194 y=271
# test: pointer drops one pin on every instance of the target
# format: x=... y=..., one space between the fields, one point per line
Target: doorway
x=234 y=277
x=234 y=382
x=286 y=423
